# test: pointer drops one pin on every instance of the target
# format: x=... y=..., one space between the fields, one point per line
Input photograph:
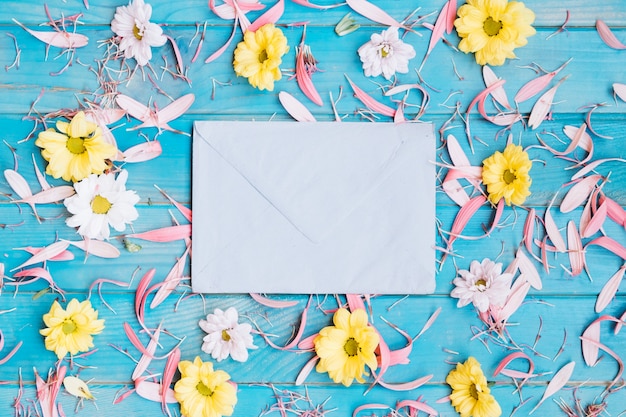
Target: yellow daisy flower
x=345 y=348
x=203 y=392
x=492 y=29
x=77 y=150
x=470 y=394
x=506 y=175
x=259 y=56
x=71 y=330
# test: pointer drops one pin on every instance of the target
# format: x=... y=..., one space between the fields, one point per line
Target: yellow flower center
x=474 y=389
x=100 y=205
x=225 y=336
x=384 y=51
x=137 y=32
x=508 y=176
x=75 y=145
x=263 y=56
x=351 y=347
x=481 y=282
x=491 y=27
x=203 y=389
x=68 y=327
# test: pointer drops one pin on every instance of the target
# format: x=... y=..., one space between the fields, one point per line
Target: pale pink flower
x=484 y=285
x=138 y=35
x=386 y=54
x=100 y=202
x=226 y=336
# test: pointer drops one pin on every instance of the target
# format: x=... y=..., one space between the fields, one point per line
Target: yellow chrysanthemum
x=203 y=392
x=71 y=330
x=506 y=175
x=77 y=150
x=492 y=29
x=470 y=394
x=345 y=348
x=259 y=56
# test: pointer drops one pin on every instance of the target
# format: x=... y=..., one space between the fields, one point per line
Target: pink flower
x=386 y=54
x=484 y=285
x=138 y=35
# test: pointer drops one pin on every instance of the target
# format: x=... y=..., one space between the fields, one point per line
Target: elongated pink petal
x=51 y=195
x=609 y=290
x=296 y=339
x=579 y=193
x=529 y=229
x=575 y=249
x=140 y=295
x=306 y=370
x=541 y=108
x=515 y=299
x=370 y=102
x=441 y=25
x=147 y=354
x=534 y=86
x=11 y=353
x=307 y=3
x=480 y=97
x=272 y=15
x=17 y=183
x=558 y=381
x=553 y=232
x=171 y=281
x=97 y=248
x=417 y=406
x=45 y=254
x=498 y=94
x=607 y=36
x=59 y=39
x=510 y=358
x=455 y=191
x=295 y=108
x=168 y=375
x=304 y=80
x=175 y=109
x=596 y=222
x=63 y=256
x=527 y=268
x=143 y=152
x=153 y=391
x=614 y=210
x=614 y=355
x=609 y=244
x=463 y=217
x=272 y=303
x=132 y=336
x=224 y=47
x=165 y=234
x=406 y=386
x=372 y=12
x=593 y=165
x=429 y=322
x=40 y=177
x=620 y=90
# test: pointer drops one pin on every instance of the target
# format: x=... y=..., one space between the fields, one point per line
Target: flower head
x=259 y=56
x=101 y=201
x=77 y=150
x=492 y=29
x=226 y=337
x=345 y=348
x=71 y=330
x=386 y=54
x=204 y=392
x=506 y=175
x=470 y=394
x=138 y=35
x=484 y=285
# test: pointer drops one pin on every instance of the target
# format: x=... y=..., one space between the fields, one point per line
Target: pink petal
x=609 y=290
x=607 y=36
x=295 y=108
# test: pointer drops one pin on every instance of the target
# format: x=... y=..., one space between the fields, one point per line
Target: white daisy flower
x=386 y=54
x=101 y=201
x=132 y=24
x=226 y=336
x=484 y=285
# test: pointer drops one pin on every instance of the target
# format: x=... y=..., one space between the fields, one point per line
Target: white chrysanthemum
x=386 y=54
x=484 y=285
x=101 y=201
x=226 y=336
x=138 y=35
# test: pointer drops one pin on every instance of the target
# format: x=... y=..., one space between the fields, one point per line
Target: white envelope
x=324 y=207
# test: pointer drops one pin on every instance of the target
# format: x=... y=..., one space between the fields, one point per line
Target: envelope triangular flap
x=314 y=174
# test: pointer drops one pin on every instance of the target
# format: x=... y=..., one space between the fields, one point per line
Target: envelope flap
x=315 y=174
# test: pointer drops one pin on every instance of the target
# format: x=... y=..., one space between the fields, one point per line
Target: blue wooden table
x=547 y=327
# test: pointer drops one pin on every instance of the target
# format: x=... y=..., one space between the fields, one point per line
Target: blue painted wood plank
x=587 y=82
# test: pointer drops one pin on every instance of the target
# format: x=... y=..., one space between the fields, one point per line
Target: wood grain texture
x=551 y=318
